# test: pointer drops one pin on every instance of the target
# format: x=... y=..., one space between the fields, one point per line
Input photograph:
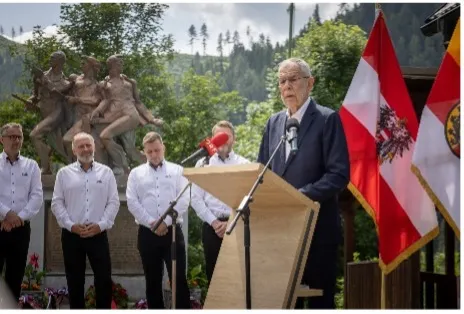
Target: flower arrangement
x=33 y=275
x=120 y=297
x=196 y=278
x=141 y=304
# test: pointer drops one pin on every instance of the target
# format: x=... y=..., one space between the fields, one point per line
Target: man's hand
x=90 y=231
x=78 y=229
x=13 y=219
x=162 y=229
x=219 y=227
x=5 y=226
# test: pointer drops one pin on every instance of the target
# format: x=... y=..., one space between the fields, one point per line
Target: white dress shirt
x=150 y=191
x=298 y=115
x=21 y=187
x=207 y=207
x=85 y=197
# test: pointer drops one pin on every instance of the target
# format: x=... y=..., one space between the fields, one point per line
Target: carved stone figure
x=50 y=88
x=123 y=111
x=85 y=96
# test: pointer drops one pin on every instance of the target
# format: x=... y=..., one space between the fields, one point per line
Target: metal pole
x=291 y=10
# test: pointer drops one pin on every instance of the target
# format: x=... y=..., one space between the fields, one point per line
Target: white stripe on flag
x=362 y=97
x=437 y=165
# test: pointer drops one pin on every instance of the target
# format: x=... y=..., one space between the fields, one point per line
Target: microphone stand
x=173 y=213
x=244 y=210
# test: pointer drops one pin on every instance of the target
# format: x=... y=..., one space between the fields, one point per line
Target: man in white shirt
x=21 y=198
x=150 y=189
x=85 y=203
x=212 y=211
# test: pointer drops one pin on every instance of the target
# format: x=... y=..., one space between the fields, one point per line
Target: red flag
x=437 y=155
x=381 y=129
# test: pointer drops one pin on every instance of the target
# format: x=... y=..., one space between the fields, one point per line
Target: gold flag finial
x=378 y=8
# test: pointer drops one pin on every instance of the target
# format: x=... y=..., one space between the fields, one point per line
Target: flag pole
x=378 y=8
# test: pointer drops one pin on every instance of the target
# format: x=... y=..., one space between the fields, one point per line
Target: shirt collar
x=159 y=166
x=300 y=112
x=5 y=157
x=230 y=157
x=79 y=166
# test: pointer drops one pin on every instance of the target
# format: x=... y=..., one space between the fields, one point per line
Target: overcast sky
x=271 y=19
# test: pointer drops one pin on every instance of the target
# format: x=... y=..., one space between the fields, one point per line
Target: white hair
x=304 y=66
x=80 y=136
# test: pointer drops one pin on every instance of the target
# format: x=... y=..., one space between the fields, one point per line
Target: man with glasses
x=320 y=169
x=21 y=198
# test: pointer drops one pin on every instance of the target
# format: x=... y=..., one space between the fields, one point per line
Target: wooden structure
x=282 y=223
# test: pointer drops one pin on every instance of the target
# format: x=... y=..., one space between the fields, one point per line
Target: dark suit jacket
x=320 y=169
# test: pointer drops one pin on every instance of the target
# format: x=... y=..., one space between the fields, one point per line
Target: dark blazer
x=320 y=169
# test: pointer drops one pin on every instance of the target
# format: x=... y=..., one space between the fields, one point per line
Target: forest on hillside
x=244 y=69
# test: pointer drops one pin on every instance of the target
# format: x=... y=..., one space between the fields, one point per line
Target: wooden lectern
x=282 y=223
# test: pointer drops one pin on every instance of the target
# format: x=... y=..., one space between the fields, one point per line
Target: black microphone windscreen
x=292 y=123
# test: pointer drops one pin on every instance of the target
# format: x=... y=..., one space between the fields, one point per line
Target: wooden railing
x=438 y=291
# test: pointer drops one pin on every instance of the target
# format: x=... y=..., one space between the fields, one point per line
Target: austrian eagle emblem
x=392 y=136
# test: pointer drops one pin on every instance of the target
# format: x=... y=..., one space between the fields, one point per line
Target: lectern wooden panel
x=282 y=222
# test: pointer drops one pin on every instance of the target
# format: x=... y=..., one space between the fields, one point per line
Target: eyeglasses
x=291 y=80
x=14 y=137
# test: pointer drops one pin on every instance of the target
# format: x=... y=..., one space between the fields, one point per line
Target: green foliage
x=365 y=236
x=13 y=111
x=404 y=21
x=33 y=275
x=196 y=260
x=103 y=29
x=333 y=51
x=191 y=117
x=439 y=262
x=250 y=133
x=118 y=294
x=11 y=67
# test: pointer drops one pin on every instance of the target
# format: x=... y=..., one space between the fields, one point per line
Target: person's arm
x=336 y=162
x=199 y=205
x=35 y=200
x=133 y=201
x=58 y=204
x=183 y=203
x=263 y=154
x=112 y=203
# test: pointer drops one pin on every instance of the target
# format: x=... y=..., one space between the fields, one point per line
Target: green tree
x=192 y=32
x=333 y=51
x=205 y=36
x=316 y=16
x=13 y=111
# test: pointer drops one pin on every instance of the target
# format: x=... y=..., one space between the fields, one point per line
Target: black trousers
x=75 y=250
x=320 y=273
x=211 y=246
x=14 y=246
x=154 y=252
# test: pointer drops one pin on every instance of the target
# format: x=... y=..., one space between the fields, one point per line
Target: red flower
x=34 y=260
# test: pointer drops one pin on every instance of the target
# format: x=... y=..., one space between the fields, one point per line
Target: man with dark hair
x=21 y=198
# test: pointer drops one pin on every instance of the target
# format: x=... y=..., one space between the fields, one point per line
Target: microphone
x=208 y=147
x=292 y=126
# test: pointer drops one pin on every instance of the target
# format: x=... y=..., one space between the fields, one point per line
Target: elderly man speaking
x=319 y=169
